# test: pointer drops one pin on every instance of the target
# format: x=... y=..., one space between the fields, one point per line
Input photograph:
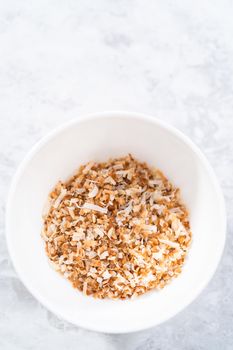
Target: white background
x=172 y=59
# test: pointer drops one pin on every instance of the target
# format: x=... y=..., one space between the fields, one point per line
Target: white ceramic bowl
x=98 y=137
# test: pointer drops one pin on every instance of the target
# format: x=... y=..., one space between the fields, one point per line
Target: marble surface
x=172 y=59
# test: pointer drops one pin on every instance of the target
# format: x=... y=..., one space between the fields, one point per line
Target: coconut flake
x=44 y=236
x=158 y=255
x=126 y=210
x=177 y=255
x=155 y=182
x=110 y=180
x=78 y=191
x=88 y=167
x=169 y=243
x=99 y=280
x=120 y=279
x=159 y=208
x=123 y=173
x=152 y=228
x=59 y=198
x=159 y=268
x=148 y=278
x=106 y=275
x=176 y=210
x=53 y=265
x=67 y=274
x=85 y=288
x=104 y=255
x=178 y=228
x=140 y=260
x=95 y=207
x=78 y=235
x=99 y=232
x=157 y=196
x=51 y=229
x=111 y=231
x=118 y=166
x=71 y=212
x=132 y=191
x=93 y=192
x=91 y=254
x=46 y=207
x=112 y=197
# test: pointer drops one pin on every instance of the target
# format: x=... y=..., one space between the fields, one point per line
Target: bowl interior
x=57 y=157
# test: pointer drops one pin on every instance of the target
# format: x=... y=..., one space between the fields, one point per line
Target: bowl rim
x=126 y=115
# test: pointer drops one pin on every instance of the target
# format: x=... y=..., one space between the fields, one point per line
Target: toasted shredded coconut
x=116 y=229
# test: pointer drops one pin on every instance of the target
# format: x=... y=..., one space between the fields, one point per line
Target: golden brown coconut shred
x=116 y=229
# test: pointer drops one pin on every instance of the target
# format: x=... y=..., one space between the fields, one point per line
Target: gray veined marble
x=171 y=59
